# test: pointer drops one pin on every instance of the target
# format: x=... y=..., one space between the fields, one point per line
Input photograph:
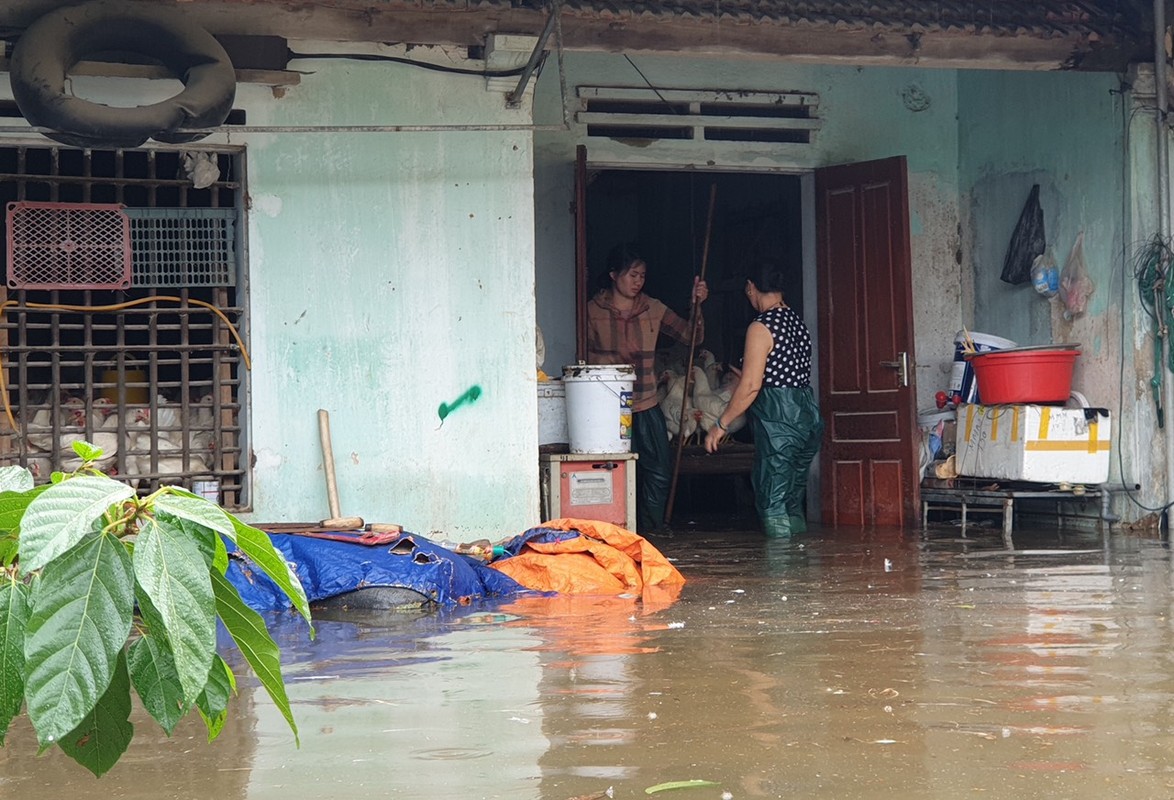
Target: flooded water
x=841 y=664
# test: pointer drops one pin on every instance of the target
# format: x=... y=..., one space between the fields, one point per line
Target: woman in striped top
x=623 y=325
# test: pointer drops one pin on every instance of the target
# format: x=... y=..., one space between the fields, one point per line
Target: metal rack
x=991 y=499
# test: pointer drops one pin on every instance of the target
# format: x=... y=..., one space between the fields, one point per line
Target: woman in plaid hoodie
x=623 y=327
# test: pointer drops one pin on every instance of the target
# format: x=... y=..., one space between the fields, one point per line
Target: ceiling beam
x=393 y=22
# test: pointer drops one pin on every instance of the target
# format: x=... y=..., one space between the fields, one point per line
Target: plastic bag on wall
x=1045 y=275
x=1075 y=284
x=1027 y=241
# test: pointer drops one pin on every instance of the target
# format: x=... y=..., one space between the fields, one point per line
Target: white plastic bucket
x=552 y=413
x=928 y=421
x=599 y=407
x=962 y=382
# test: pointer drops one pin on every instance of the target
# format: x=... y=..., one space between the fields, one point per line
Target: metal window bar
x=166 y=436
x=151 y=380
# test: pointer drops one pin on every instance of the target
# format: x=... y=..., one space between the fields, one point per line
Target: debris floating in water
x=664 y=787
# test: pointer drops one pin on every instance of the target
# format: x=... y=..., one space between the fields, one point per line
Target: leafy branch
x=102 y=592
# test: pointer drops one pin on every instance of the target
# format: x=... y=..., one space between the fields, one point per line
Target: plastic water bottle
x=482 y=549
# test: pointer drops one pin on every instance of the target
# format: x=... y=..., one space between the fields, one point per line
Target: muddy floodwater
x=840 y=664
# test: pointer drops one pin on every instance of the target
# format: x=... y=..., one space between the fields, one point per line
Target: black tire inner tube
x=56 y=42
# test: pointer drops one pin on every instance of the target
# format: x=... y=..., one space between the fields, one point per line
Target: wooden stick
x=328 y=463
x=694 y=321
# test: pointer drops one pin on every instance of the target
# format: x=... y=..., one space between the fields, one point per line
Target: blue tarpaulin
x=328 y=568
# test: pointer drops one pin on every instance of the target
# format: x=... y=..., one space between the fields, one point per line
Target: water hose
x=1156 y=292
x=8 y=305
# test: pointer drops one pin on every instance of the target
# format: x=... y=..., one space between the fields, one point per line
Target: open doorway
x=665 y=214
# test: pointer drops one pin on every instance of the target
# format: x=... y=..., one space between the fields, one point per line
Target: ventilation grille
x=698 y=115
x=68 y=246
x=183 y=246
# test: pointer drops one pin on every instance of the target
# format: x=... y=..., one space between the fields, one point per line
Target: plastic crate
x=178 y=247
x=68 y=246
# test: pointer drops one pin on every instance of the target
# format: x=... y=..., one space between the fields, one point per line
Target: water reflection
x=845 y=664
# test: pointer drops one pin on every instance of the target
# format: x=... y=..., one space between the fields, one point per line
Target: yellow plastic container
x=136 y=395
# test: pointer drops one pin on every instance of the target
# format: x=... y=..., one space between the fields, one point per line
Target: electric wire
x=481 y=73
x=9 y=305
x=663 y=99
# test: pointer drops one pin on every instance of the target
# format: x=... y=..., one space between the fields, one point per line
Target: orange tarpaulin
x=603 y=559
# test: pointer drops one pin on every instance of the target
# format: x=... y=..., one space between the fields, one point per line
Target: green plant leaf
x=87 y=451
x=210 y=542
x=8 y=549
x=59 y=517
x=248 y=631
x=152 y=672
x=14 y=616
x=15 y=479
x=220 y=556
x=80 y=616
x=213 y=701
x=255 y=544
x=13 y=505
x=152 y=621
x=185 y=505
x=103 y=735
x=172 y=572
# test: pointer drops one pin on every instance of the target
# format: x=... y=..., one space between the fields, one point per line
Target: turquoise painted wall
x=390 y=273
x=1067 y=133
x=1063 y=131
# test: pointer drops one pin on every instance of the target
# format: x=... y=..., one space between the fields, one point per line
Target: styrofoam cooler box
x=1037 y=443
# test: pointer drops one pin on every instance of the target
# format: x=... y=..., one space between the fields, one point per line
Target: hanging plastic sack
x=1027 y=241
x=1075 y=284
x=1045 y=275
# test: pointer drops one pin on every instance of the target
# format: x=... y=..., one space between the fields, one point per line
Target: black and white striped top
x=789 y=362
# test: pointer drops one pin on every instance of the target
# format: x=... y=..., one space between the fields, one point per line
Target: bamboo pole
x=694 y=321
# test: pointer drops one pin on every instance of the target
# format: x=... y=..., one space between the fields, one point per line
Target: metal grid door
x=154 y=374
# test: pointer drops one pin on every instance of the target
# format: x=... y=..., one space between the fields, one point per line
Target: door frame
x=584 y=166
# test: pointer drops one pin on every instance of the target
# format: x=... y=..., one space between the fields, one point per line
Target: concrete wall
x=388 y=274
x=1065 y=132
x=392 y=273
x=866 y=114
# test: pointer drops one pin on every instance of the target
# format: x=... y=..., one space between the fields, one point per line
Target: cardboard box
x=1041 y=444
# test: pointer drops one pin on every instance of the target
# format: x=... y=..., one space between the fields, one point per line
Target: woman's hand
x=700 y=289
x=713 y=438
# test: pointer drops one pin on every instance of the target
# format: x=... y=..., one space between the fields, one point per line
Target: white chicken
x=167 y=423
x=671 y=404
x=39 y=430
x=202 y=413
x=93 y=429
x=170 y=467
x=39 y=466
x=711 y=366
x=711 y=403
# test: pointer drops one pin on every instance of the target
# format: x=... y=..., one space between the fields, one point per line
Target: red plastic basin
x=1028 y=375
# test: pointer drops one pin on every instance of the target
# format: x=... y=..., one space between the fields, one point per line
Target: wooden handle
x=342 y=524
x=328 y=463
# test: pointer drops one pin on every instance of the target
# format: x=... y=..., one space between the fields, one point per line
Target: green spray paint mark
x=471 y=394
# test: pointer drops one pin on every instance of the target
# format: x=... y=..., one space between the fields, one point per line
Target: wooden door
x=869 y=460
